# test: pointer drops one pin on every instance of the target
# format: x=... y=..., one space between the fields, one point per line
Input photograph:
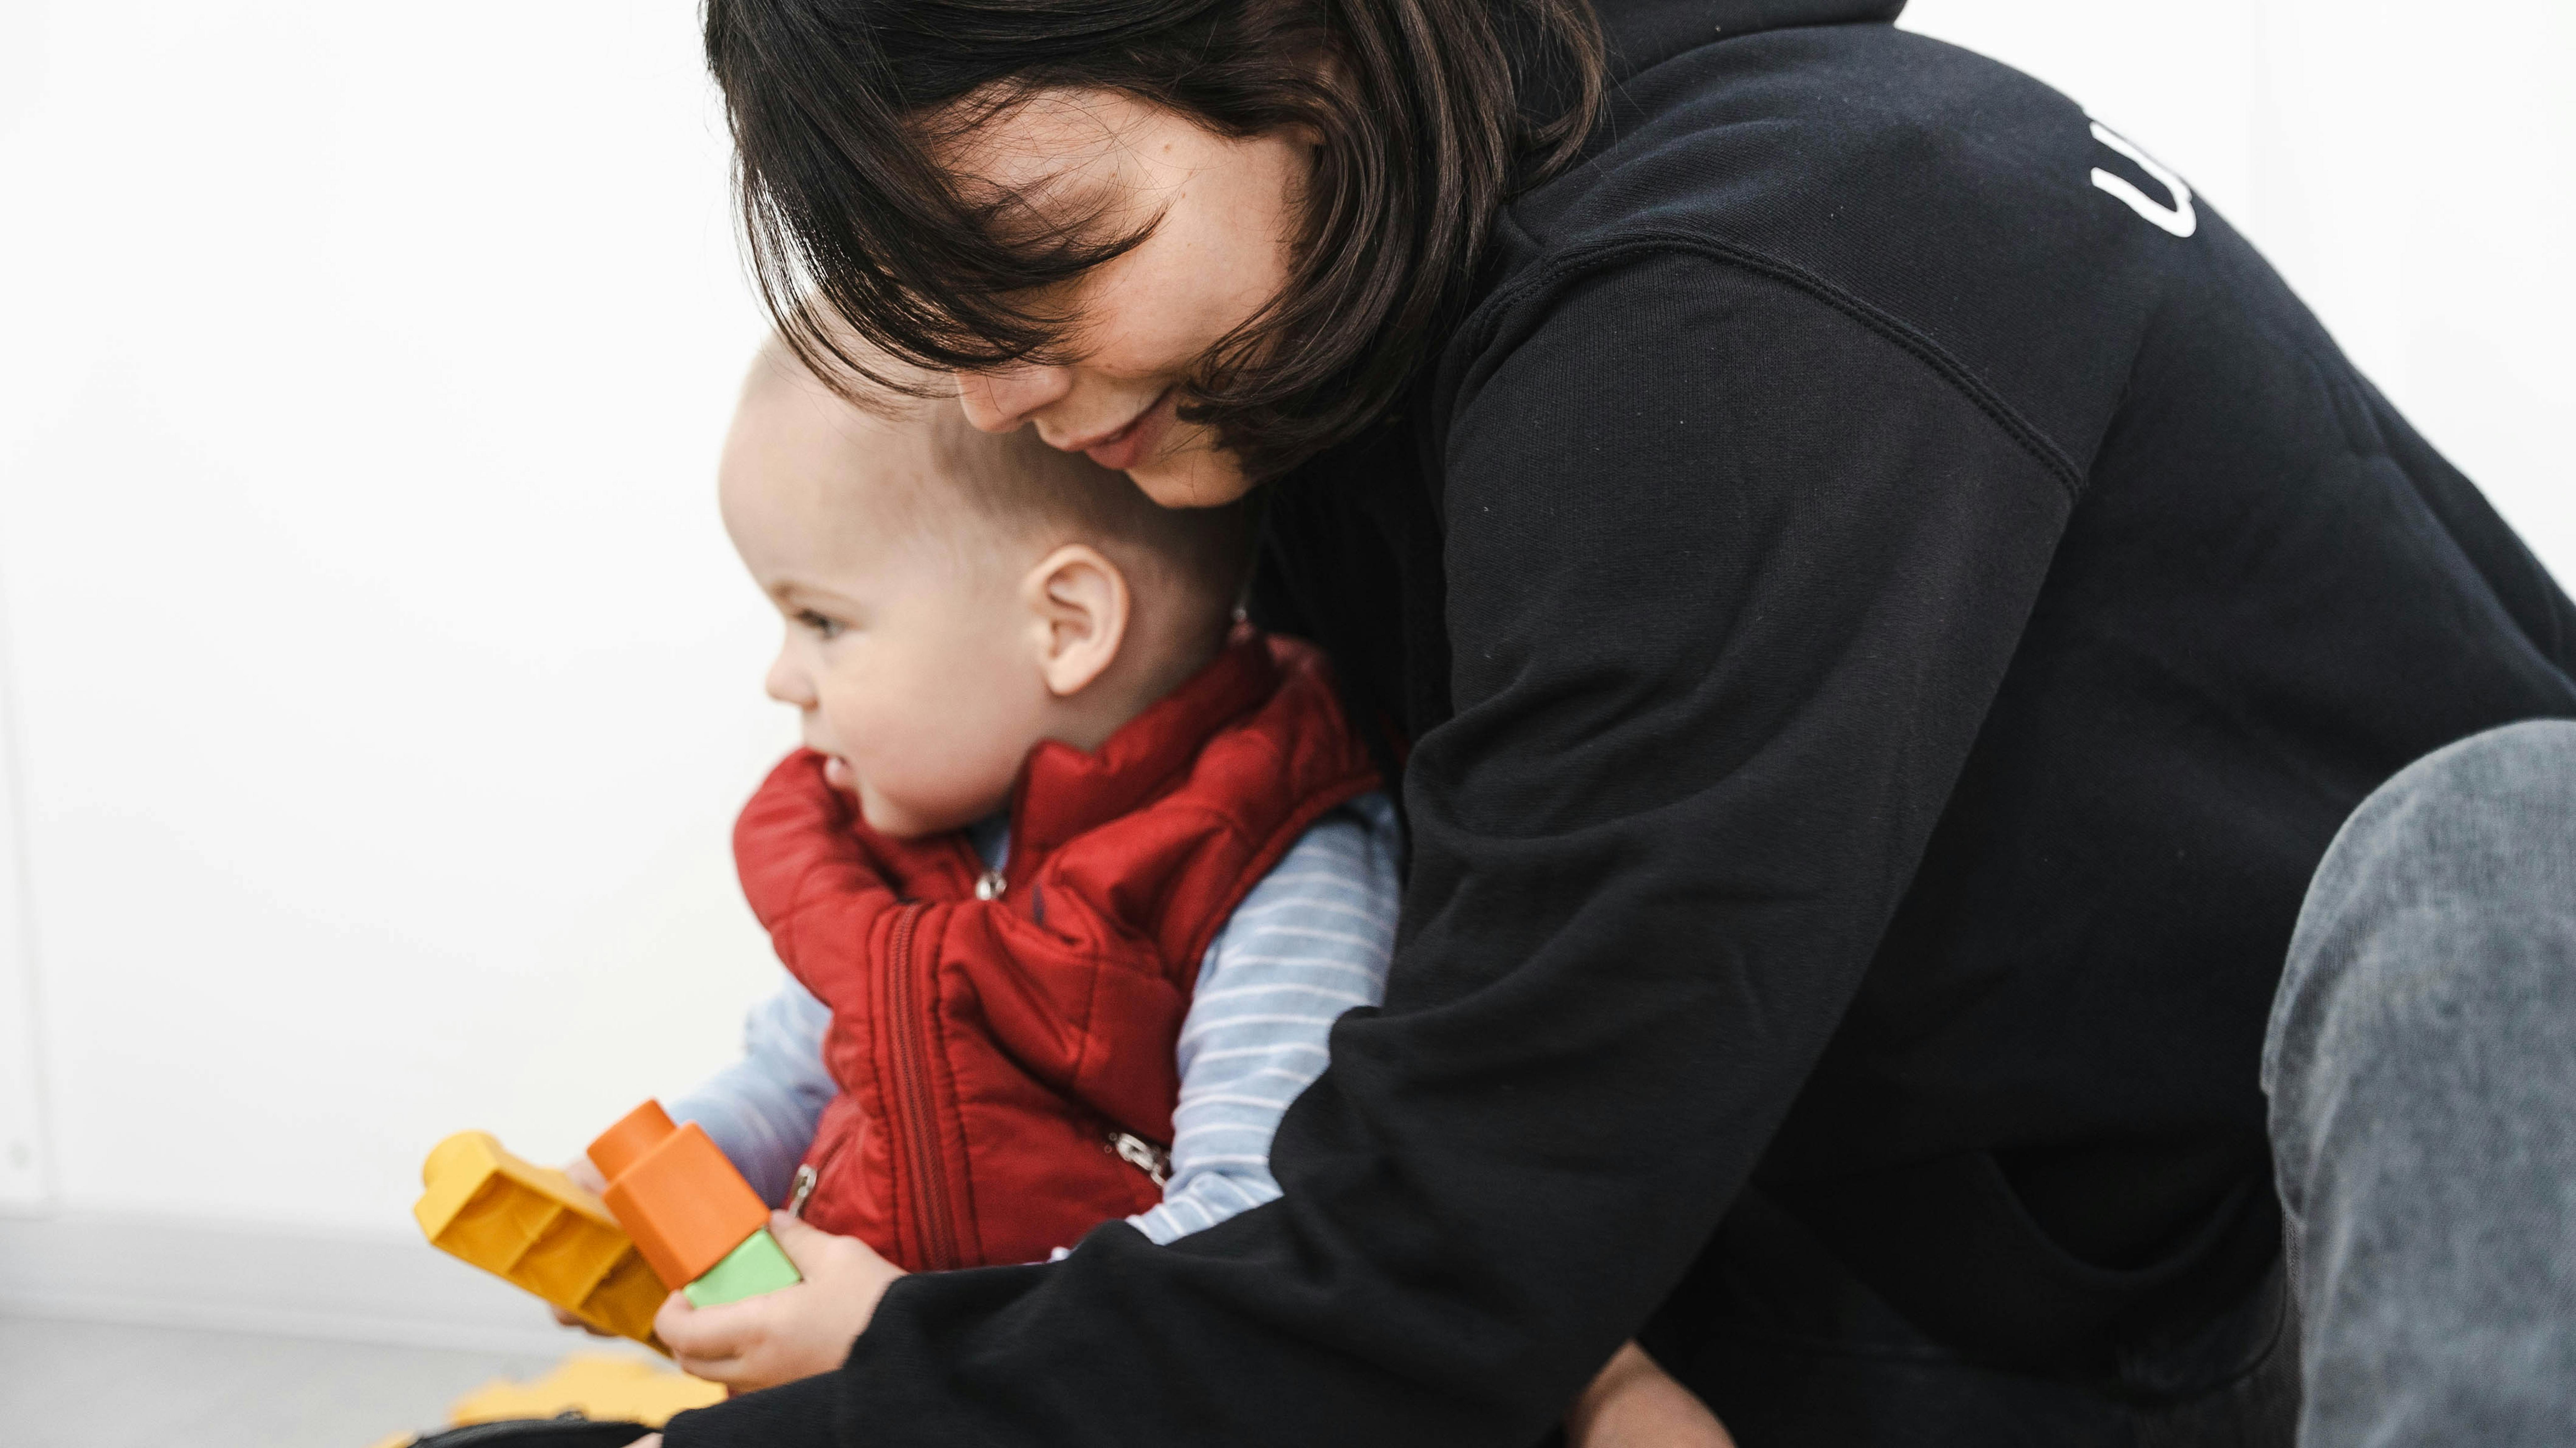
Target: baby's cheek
x=907 y=788
x=884 y=815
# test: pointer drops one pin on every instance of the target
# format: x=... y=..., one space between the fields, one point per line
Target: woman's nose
x=1002 y=398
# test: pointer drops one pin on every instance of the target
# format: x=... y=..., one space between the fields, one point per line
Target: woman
x=1882 y=600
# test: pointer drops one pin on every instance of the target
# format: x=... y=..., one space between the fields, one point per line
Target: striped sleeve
x=1309 y=942
x=761 y=1109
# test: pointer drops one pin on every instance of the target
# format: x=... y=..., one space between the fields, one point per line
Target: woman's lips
x=1136 y=441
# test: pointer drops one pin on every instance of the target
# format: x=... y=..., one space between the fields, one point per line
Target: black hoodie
x=1890 y=597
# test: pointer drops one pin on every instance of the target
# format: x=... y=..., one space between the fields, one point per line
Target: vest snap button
x=989 y=886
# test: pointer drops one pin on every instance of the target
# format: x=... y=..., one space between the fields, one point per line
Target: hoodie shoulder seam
x=1635 y=245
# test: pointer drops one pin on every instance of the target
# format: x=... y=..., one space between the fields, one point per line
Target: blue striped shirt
x=1309 y=942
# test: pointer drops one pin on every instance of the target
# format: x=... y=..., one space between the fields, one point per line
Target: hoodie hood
x=1644 y=32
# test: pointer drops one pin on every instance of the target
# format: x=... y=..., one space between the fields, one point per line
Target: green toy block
x=755 y=1267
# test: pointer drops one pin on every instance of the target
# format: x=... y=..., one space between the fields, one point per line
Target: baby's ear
x=1079 y=606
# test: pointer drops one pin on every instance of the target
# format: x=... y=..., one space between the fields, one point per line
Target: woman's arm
x=1732 y=579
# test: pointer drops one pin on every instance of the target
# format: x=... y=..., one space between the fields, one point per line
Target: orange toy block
x=532 y=1226
x=674 y=1192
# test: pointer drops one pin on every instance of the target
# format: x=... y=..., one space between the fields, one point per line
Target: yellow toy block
x=531 y=1226
x=605 y=1389
x=593 y=1385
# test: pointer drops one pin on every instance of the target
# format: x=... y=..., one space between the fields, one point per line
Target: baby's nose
x=787 y=684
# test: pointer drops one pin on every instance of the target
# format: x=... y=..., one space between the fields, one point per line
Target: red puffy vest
x=991 y=1052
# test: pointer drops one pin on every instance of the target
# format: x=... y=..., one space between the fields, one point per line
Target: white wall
x=26 y=1161
x=383 y=685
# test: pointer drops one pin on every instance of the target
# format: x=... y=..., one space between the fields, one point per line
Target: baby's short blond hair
x=1018 y=487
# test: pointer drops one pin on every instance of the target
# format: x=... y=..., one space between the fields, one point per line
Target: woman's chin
x=1191 y=471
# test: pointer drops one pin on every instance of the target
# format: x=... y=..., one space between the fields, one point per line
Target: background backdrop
x=378 y=686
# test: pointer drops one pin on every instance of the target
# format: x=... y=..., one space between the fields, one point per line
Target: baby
x=1125 y=855
x=1071 y=878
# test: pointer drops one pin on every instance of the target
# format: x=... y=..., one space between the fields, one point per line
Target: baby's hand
x=792 y=1333
x=586 y=1177
x=1634 y=1403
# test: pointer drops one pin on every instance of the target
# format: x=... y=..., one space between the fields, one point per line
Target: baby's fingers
x=711 y=1342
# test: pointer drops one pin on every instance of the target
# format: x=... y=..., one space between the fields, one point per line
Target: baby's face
x=908 y=652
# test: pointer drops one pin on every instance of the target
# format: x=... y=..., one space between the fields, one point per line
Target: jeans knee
x=2453 y=882
x=2493 y=816
x=2509 y=774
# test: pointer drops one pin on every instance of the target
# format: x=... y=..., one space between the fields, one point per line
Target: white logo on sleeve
x=2177 y=218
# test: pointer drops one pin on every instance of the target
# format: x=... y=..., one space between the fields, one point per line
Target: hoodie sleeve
x=1733 y=575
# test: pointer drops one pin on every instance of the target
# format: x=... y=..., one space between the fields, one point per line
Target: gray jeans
x=2421 y=1066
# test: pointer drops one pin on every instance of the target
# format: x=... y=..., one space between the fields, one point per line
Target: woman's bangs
x=846 y=115
x=939 y=274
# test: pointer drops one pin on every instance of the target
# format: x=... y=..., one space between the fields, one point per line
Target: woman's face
x=1224 y=219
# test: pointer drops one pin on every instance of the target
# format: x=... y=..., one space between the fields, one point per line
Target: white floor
x=95 y=1385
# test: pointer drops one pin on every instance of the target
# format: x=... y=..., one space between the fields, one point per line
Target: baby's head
x=954 y=597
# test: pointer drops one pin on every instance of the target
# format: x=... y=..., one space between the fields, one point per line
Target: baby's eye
x=824 y=628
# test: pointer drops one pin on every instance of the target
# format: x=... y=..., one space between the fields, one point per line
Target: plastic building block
x=532 y=1226
x=690 y=1213
x=598 y=1387
x=759 y=1265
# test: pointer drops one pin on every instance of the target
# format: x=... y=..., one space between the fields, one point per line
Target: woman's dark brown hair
x=1429 y=113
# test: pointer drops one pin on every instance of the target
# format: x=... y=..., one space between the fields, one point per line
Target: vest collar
x=1065 y=792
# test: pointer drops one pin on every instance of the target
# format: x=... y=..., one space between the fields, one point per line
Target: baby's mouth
x=836 y=773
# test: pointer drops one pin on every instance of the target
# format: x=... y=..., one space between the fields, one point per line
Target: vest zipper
x=912 y=1088
x=809 y=1175
x=1154 y=1161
